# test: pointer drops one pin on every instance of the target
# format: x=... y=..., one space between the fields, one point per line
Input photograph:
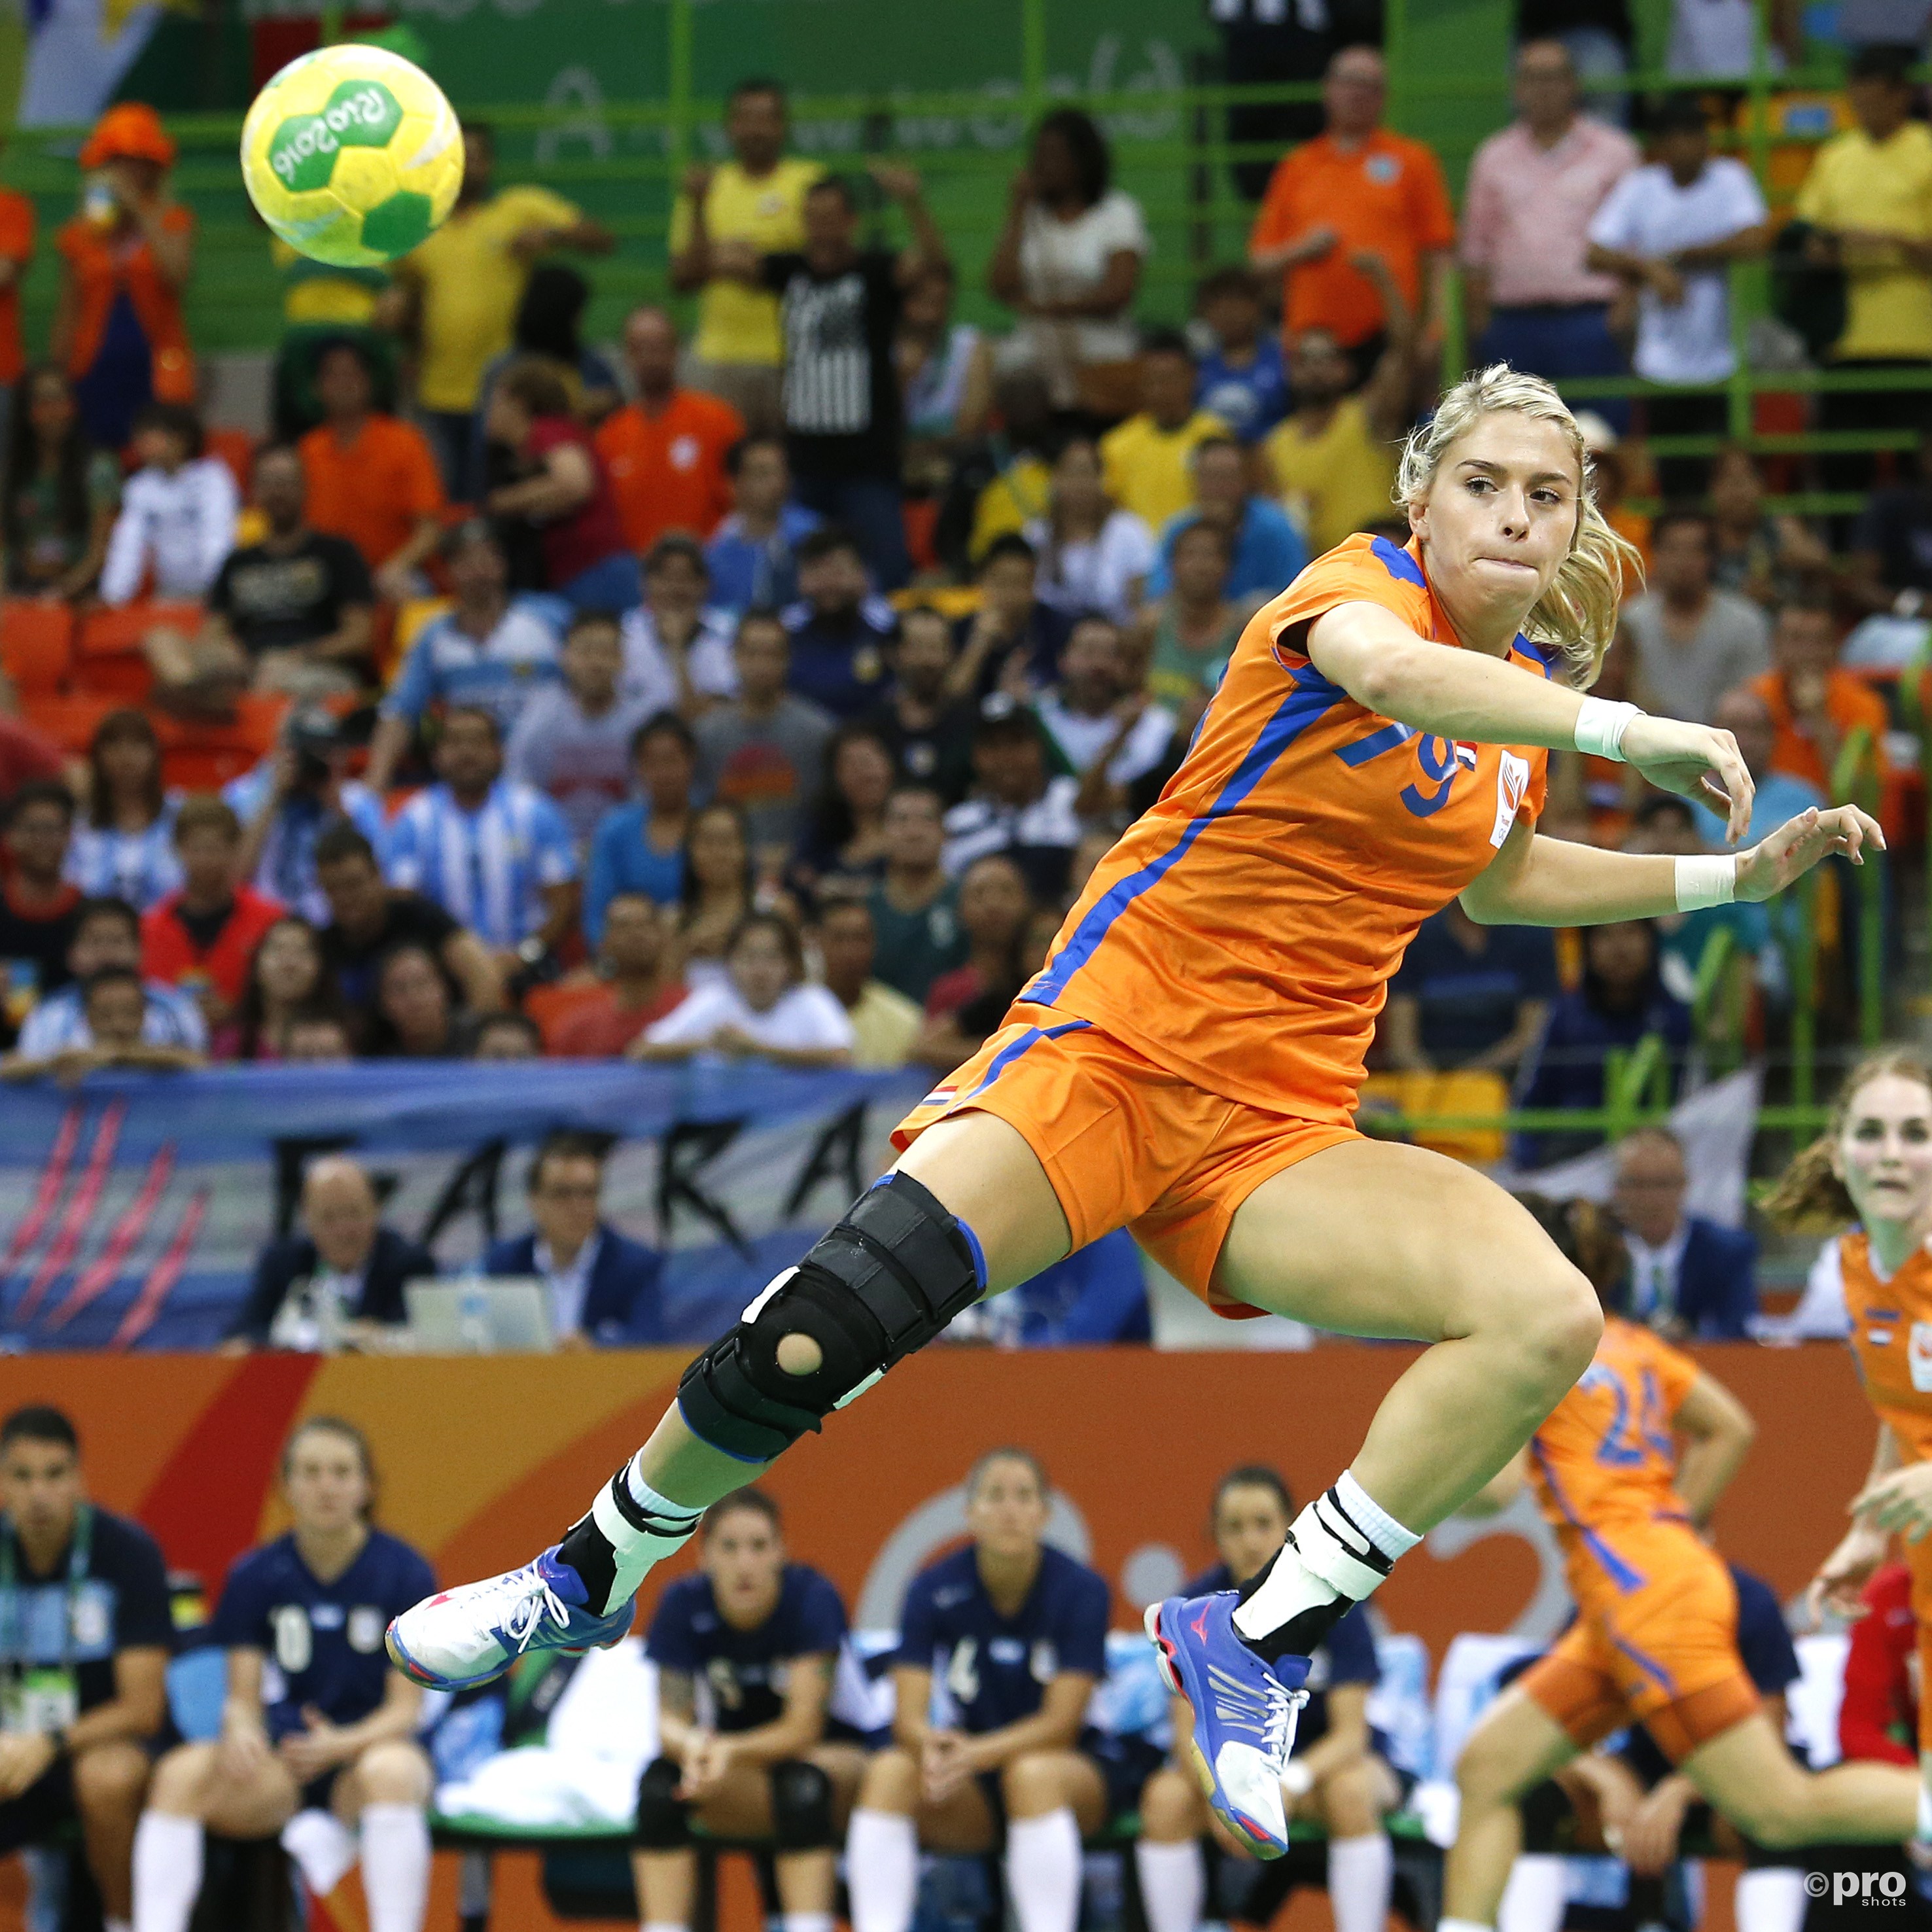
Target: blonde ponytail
x=1809 y=1199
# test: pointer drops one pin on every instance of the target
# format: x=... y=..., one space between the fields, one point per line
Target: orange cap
x=130 y=130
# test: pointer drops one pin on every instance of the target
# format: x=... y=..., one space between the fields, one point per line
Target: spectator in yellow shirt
x=457 y=295
x=757 y=197
x=1146 y=460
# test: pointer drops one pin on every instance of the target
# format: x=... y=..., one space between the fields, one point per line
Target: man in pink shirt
x=1533 y=188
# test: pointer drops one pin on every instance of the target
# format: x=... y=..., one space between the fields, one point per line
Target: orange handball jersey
x=1243 y=933
x=1891 y=1342
x=1605 y=1463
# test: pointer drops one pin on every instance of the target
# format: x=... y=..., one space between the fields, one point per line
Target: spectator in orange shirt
x=372 y=477
x=202 y=937
x=1356 y=187
x=17 y=251
x=666 y=452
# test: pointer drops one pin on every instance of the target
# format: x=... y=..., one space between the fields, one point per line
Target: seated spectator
x=486 y=650
x=1815 y=705
x=107 y=933
x=1764 y=557
x=1333 y=457
x=1693 y=642
x=289 y=981
x=677 y=651
x=1467 y=995
x=1242 y=380
x=915 y=906
x=367 y=918
x=749 y=1652
x=510 y=1036
x=994 y=906
x=84 y=1595
x=290 y=614
x=1621 y=1000
x=60 y=494
x=1033 y=1624
x=372 y=477
x=1880 y=1711
x=315 y=1040
x=1145 y=460
x=633 y=982
x=1005 y=484
x=765 y=750
x=497 y=856
x=602 y=1286
x=414 y=1017
x=761 y=1008
x=753 y=554
x=1267 y=552
x=718 y=892
x=1340 y=1777
x=1091 y=554
x=1068 y=263
x=946 y=374
x=666 y=453
x=113 y=1007
x=39 y=904
x=336 y=1285
x=929 y=733
x=316 y=1717
x=1689 y=1278
x=176 y=524
x=839 y=630
x=563 y=489
x=1095 y=717
x=843 y=845
x=125 y=258
x=201 y=936
x=123 y=845
x=289 y=799
x=1779 y=796
x=572 y=742
x=1890 y=567
x=885 y=1023
x=640 y=847
x=1012 y=642
x=1190 y=634
x=548 y=332
x=1668 y=824
x=1015 y=808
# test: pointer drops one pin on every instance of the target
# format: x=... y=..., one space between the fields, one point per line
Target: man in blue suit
x=603 y=1286
x=1689 y=1277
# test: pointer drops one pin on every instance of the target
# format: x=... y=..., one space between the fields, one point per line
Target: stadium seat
x=108 y=658
x=69 y=722
x=36 y=645
x=198 y=756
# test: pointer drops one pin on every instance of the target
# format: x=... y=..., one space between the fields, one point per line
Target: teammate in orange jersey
x=1185 y=1064
x=1655 y=1637
x=1872 y=1165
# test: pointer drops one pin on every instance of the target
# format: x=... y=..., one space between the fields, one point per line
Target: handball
x=352 y=155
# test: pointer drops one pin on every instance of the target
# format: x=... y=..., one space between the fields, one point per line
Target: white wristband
x=1600 y=726
x=1297 y=1779
x=1703 y=882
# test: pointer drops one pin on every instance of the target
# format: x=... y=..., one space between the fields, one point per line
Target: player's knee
x=1170 y=1809
x=891 y=1782
x=1345 y=1800
x=1774 y=1812
x=112 y=1777
x=395 y=1773
x=801 y=1807
x=663 y=1819
x=1554 y=1321
x=1487 y=1772
x=180 y=1780
x=1034 y=1782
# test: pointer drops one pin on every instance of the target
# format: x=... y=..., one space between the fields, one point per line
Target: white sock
x=1360 y=1871
x=806 y=1921
x=395 y=1866
x=658 y=1925
x=1174 y=1885
x=1461 y=1925
x=1770 y=1899
x=1341 y=1545
x=1924 y=1814
x=322 y=1846
x=117 y=1924
x=638 y=1551
x=1537 y=1890
x=167 y=1871
x=1043 y=1871
x=882 y=1869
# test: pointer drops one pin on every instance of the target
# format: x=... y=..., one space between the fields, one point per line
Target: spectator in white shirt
x=761 y=1010
x=1094 y=556
x=178 y=512
x=1095 y=715
x=1015 y=807
x=1671 y=231
x=677 y=653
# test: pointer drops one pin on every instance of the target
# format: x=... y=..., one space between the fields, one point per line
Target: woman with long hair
x=846 y=838
x=123 y=844
x=1093 y=555
x=288 y=982
x=1188 y=1065
x=62 y=493
x=719 y=889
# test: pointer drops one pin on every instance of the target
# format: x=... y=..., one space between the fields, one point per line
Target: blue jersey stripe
x=1312 y=695
x=1012 y=1051
x=1619 y=1572
x=1376 y=744
x=1647 y=1664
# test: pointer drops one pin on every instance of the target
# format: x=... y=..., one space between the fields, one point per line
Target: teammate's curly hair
x=1577 y=614
x=1809 y=1197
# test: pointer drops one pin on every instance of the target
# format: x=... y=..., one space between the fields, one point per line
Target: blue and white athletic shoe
x=465 y=1637
x=1244 y=1713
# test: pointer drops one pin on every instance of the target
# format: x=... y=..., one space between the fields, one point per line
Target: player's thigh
x=739 y=1805
x=255 y=1805
x=845 y=1765
x=396 y=1772
x=962 y=1821
x=1371 y=1237
x=981 y=1170
x=1515 y=1745
x=1746 y=1770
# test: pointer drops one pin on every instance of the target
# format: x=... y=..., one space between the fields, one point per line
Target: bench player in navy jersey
x=316 y=1719
x=1016 y=1633
x=1337 y=1776
x=747 y=1653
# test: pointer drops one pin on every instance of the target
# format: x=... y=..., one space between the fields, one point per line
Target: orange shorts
x=1125 y=1143
x=1665 y=1653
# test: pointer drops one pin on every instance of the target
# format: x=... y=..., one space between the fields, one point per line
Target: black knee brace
x=885 y=1280
x=664 y=1820
x=801 y=1807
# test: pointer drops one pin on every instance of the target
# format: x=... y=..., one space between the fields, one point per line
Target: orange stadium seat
x=36 y=644
x=204 y=757
x=70 y=722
